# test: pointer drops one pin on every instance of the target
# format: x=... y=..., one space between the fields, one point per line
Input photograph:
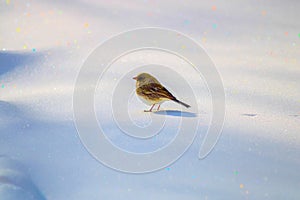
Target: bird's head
x=144 y=78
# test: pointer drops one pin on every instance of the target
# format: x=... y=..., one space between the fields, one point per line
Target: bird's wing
x=155 y=90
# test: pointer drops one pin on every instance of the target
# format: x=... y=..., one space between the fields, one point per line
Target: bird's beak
x=135 y=78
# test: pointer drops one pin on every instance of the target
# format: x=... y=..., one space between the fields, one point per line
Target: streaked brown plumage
x=151 y=92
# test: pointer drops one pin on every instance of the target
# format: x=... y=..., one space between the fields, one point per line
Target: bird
x=152 y=92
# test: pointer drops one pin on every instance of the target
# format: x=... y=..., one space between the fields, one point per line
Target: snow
x=255 y=46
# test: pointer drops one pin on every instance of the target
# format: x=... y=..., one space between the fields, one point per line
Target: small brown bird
x=151 y=92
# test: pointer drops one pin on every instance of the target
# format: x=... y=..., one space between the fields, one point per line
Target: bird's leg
x=158 y=107
x=150 y=109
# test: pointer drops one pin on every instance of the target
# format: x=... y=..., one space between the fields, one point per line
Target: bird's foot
x=150 y=109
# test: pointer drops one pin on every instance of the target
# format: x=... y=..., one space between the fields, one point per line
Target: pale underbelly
x=149 y=102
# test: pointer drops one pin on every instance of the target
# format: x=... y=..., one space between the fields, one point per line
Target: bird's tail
x=180 y=102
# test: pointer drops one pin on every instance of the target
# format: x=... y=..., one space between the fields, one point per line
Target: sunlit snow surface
x=255 y=46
